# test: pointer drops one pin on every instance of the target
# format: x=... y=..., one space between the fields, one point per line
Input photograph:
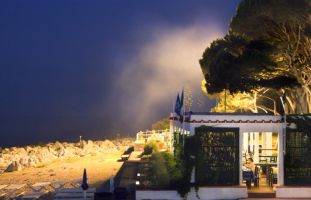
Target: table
x=264 y=166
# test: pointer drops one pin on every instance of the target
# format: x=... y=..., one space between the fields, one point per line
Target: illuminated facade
x=230 y=139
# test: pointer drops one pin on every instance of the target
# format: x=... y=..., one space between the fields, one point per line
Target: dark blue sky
x=66 y=65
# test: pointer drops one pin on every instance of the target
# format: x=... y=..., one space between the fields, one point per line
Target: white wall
x=204 y=193
x=157 y=194
x=293 y=192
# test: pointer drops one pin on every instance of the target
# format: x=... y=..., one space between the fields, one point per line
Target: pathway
x=126 y=177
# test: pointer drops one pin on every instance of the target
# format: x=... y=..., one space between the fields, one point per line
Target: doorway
x=260 y=161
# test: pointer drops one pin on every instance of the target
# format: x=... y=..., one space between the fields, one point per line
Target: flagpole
x=177 y=111
x=172 y=132
x=183 y=127
x=173 y=107
x=183 y=117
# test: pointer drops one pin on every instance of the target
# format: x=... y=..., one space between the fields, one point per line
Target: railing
x=163 y=136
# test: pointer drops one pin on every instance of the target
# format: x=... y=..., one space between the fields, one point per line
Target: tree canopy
x=161 y=124
x=239 y=65
x=268 y=45
x=252 y=16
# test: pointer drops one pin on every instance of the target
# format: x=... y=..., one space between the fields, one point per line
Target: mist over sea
x=32 y=130
x=91 y=72
x=21 y=131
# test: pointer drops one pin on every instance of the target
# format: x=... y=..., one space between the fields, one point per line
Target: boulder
x=2 y=162
x=58 y=145
x=90 y=143
x=60 y=152
x=68 y=152
x=6 y=151
x=32 y=162
x=44 y=155
x=28 y=148
x=14 y=166
x=19 y=152
x=24 y=161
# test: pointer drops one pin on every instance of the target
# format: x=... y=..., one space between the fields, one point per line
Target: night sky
x=99 y=68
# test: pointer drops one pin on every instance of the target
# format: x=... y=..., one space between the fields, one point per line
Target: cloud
x=151 y=80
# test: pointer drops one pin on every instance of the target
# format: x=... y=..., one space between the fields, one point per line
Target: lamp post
x=281 y=160
x=80 y=141
x=283 y=100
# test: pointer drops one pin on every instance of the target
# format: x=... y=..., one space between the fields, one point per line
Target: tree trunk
x=301 y=98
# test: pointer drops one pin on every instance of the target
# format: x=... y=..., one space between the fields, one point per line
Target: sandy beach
x=100 y=166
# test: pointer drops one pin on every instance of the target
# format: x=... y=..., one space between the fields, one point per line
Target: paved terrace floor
x=275 y=199
x=126 y=177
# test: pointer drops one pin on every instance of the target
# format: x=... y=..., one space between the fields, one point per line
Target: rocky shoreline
x=17 y=158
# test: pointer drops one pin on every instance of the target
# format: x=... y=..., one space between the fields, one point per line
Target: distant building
x=162 y=137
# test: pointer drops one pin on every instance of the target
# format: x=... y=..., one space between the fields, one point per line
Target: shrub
x=168 y=170
x=151 y=147
x=160 y=176
x=148 y=150
x=173 y=167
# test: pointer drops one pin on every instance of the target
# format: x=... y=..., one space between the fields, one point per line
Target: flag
x=177 y=105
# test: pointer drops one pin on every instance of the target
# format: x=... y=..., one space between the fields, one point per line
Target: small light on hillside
x=137 y=183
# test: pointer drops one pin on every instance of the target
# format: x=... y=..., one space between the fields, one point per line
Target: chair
x=268 y=175
x=273 y=159
x=274 y=175
x=257 y=174
x=58 y=185
x=14 y=191
x=38 y=190
x=3 y=195
x=40 y=187
x=75 y=184
x=33 y=195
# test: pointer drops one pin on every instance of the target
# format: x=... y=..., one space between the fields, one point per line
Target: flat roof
x=223 y=113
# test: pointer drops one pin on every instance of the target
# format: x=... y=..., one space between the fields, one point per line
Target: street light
x=283 y=100
x=80 y=141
